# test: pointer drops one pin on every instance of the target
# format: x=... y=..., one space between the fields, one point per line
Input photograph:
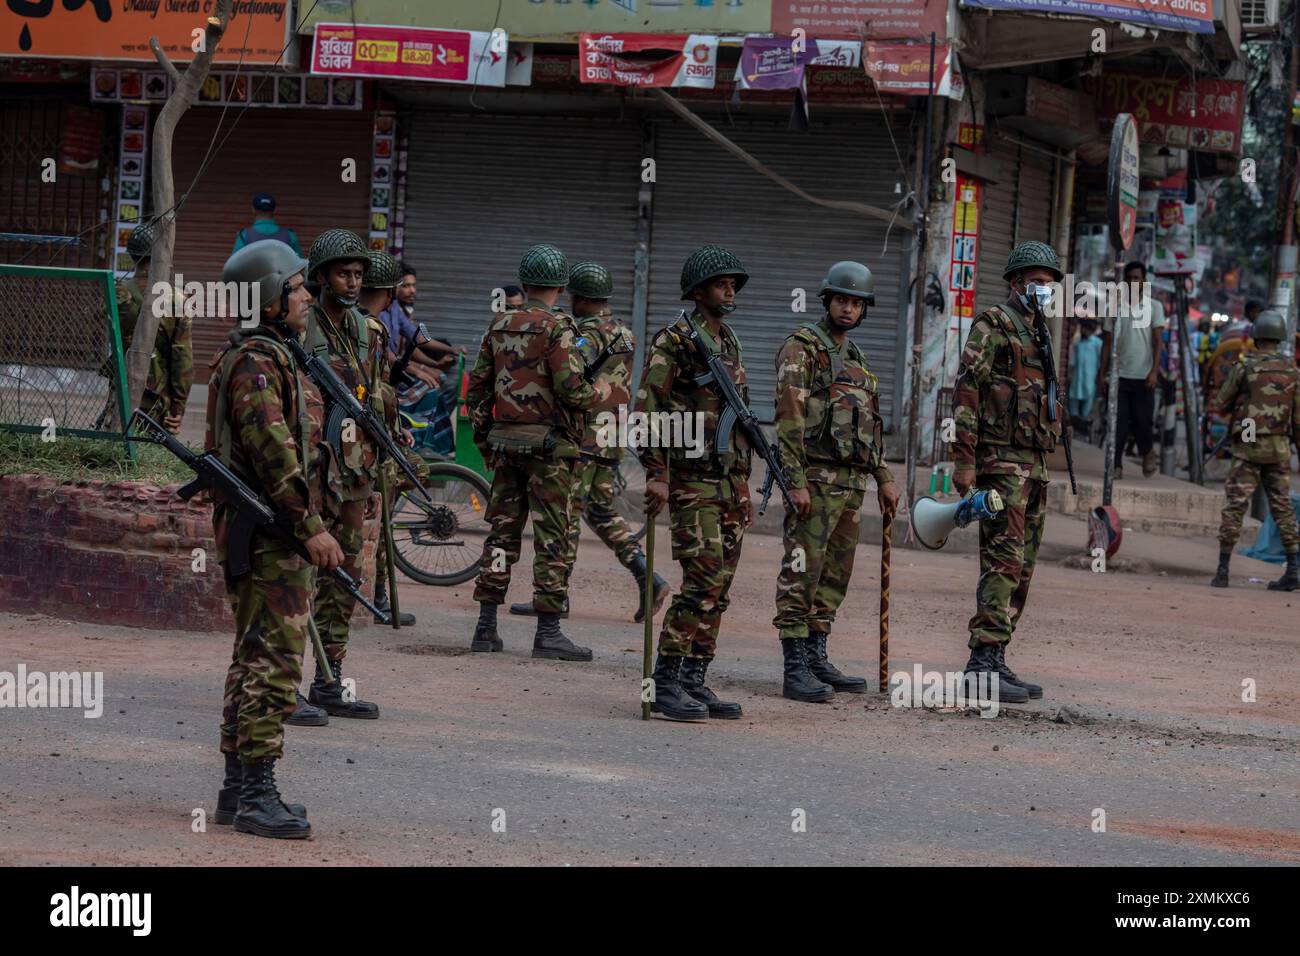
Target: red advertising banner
x=878 y=19
x=1174 y=111
x=410 y=53
x=905 y=68
x=684 y=60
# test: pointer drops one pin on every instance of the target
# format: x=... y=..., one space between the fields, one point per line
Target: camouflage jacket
x=827 y=418
x=265 y=421
x=595 y=333
x=1262 y=387
x=526 y=392
x=1000 y=401
x=171 y=366
x=668 y=385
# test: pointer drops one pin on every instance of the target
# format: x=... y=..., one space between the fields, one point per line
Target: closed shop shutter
x=481 y=189
x=296 y=156
x=1015 y=209
x=706 y=195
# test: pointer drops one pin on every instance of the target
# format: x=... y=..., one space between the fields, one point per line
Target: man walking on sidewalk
x=1141 y=354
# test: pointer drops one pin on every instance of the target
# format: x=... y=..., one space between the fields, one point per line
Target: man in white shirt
x=1141 y=354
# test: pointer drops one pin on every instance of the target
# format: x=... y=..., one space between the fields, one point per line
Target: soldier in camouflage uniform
x=707 y=495
x=526 y=397
x=599 y=483
x=171 y=365
x=1003 y=438
x=1262 y=394
x=831 y=441
x=339 y=332
x=264 y=421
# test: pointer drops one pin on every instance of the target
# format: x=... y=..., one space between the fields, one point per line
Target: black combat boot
x=228 y=795
x=825 y=671
x=330 y=696
x=382 y=602
x=305 y=715
x=983 y=664
x=691 y=678
x=638 y=570
x=527 y=610
x=799 y=683
x=1008 y=676
x=671 y=699
x=1221 y=575
x=261 y=811
x=1290 y=580
x=549 y=643
x=485 y=631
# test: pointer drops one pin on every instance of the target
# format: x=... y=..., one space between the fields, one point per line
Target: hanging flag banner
x=905 y=68
x=684 y=60
x=410 y=53
x=773 y=63
x=1191 y=16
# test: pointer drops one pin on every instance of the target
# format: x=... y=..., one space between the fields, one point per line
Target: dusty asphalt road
x=1185 y=771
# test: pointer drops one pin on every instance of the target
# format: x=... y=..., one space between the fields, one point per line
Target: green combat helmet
x=1027 y=255
x=849 y=278
x=590 y=280
x=544 y=266
x=1270 y=326
x=141 y=241
x=709 y=262
x=270 y=263
x=382 y=271
x=334 y=245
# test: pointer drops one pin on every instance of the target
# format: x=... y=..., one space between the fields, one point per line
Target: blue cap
x=264 y=202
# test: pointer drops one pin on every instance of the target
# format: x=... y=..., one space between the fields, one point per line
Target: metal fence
x=61 y=353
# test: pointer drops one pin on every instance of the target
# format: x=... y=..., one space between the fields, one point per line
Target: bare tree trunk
x=164 y=190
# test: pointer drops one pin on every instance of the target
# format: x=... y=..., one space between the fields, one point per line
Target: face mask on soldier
x=1041 y=293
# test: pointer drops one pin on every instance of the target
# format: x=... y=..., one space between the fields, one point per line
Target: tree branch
x=163 y=60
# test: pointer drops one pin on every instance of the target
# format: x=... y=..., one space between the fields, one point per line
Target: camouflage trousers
x=818 y=563
x=1008 y=552
x=1241 y=483
x=334 y=605
x=707 y=532
x=594 y=492
x=271 y=605
x=524 y=484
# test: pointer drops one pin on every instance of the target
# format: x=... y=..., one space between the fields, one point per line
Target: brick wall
x=115 y=553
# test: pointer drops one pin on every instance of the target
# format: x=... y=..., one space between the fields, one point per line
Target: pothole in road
x=435 y=649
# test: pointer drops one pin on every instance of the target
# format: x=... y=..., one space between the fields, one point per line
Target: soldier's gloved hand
x=887 y=495
x=656 y=496
x=325 y=551
x=962 y=479
x=802 y=501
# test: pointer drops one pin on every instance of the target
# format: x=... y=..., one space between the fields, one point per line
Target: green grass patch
x=87 y=459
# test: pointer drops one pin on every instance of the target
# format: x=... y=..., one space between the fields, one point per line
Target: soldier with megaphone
x=1004 y=433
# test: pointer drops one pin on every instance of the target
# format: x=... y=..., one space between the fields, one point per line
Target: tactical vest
x=1013 y=409
x=1267 y=393
x=528 y=416
x=704 y=400
x=352 y=364
x=595 y=333
x=841 y=424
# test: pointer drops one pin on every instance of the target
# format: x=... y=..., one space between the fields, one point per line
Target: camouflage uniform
x=1003 y=432
x=829 y=429
x=171 y=366
x=708 y=496
x=1261 y=386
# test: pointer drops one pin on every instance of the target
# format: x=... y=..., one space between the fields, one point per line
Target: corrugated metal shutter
x=481 y=189
x=1015 y=209
x=705 y=195
x=296 y=156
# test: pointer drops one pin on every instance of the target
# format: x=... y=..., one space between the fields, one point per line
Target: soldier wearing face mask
x=1004 y=434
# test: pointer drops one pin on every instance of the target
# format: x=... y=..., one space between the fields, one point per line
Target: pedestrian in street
x=433 y=356
x=265 y=419
x=1003 y=438
x=526 y=399
x=831 y=439
x=1085 y=360
x=264 y=226
x=707 y=495
x=1262 y=396
x=1141 y=355
x=597 y=485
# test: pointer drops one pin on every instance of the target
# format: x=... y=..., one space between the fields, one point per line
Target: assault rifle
x=252 y=514
x=621 y=344
x=737 y=413
x=344 y=405
x=399 y=377
x=1043 y=339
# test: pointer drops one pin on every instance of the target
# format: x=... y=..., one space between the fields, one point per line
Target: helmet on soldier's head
x=849 y=278
x=140 y=243
x=544 y=267
x=335 y=245
x=1029 y=255
x=382 y=271
x=710 y=262
x=270 y=263
x=1270 y=326
x=590 y=280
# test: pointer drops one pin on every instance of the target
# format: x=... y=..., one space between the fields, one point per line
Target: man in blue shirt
x=265 y=227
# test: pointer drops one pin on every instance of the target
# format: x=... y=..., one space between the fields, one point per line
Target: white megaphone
x=932 y=522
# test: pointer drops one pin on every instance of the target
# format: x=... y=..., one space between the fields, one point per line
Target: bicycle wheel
x=630 y=502
x=443 y=542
